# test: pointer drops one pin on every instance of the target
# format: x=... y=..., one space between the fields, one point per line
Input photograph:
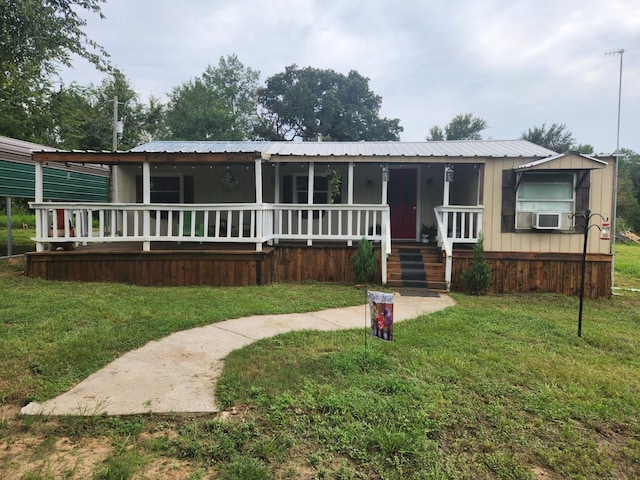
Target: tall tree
x=36 y=37
x=556 y=137
x=221 y=105
x=309 y=102
x=436 y=134
x=83 y=116
x=463 y=126
x=628 y=202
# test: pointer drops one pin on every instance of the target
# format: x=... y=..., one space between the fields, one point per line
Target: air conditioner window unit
x=546 y=221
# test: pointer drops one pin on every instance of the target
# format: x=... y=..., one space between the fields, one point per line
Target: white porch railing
x=107 y=222
x=65 y=222
x=456 y=224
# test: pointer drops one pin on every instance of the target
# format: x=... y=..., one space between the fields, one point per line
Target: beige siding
x=600 y=201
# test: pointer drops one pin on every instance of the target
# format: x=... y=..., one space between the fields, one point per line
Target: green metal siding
x=18 y=180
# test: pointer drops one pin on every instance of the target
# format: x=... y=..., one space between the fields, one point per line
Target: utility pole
x=610 y=53
x=114 y=144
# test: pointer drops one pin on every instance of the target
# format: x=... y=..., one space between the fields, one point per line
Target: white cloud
x=515 y=64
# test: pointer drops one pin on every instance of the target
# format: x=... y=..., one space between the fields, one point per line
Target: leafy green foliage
x=364 y=262
x=461 y=127
x=220 y=105
x=628 y=204
x=475 y=280
x=36 y=37
x=304 y=103
x=556 y=137
x=335 y=181
x=83 y=116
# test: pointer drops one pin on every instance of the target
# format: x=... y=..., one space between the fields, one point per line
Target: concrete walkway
x=178 y=373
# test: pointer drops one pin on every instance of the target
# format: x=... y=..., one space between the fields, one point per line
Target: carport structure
x=61 y=181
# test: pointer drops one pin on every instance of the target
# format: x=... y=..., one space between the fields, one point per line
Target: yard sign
x=381 y=314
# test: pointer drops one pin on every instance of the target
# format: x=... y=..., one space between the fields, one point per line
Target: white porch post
x=277 y=221
x=310 y=202
x=350 y=202
x=146 y=201
x=445 y=199
x=385 y=244
x=260 y=212
x=445 y=195
x=385 y=181
x=42 y=215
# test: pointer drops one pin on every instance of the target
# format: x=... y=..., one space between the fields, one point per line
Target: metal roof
x=542 y=161
x=200 y=147
x=20 y=151
x=459 y=148
x=12 y=149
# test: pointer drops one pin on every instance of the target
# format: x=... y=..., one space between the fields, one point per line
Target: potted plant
x=427 y=233
x=424 y=233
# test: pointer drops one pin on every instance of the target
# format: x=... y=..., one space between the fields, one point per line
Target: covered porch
x=250 y=202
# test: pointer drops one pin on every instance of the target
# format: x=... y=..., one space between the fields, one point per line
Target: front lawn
x=495 y=387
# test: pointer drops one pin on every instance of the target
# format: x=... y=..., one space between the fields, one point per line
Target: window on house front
x=167 y=189
x=320 y=189
x=544 y=200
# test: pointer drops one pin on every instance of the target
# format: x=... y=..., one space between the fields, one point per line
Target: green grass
x=53 y=334
x=20 y=239
x=627 y=265
x=495 y=387
x=492 y=388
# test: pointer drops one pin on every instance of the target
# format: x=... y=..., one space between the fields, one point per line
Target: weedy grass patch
x=20 y=237
x=494 y=387
x=54 y=334
x=627 y=265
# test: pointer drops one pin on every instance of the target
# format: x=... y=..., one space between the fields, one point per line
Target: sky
x=516 y=64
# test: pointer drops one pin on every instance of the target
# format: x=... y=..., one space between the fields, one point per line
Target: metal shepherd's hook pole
x=587 y=220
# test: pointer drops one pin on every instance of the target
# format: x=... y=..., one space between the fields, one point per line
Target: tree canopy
x=557 y=138
x=628 y=202
x=220 y=105
x=304 y=103
x=463 y=126
x=36 y=37
x=82 y=116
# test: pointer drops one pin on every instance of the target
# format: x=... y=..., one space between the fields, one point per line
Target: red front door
x=402 y=203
